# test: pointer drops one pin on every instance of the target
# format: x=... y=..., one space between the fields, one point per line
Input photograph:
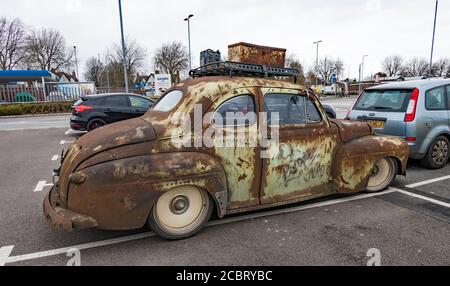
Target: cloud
x=373 y=6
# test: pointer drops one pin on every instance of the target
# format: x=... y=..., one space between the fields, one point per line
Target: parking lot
x=408 y=224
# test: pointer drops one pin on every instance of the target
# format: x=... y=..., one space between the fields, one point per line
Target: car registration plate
x=376 y=124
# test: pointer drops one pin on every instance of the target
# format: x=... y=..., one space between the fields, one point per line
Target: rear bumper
x=77 y=123
x=62 y=218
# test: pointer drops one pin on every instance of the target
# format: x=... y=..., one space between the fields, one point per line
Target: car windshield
x=384 y=100
x=169 y=101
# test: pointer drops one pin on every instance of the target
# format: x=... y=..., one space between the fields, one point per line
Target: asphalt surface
x=408 y=227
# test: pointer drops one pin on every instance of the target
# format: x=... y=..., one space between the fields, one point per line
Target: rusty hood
x=114 y=135
x=101 y=140
x=351 y=130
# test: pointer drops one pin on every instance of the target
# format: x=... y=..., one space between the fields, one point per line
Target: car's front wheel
x=438 y=154
x=383 y=174
x=180 y=213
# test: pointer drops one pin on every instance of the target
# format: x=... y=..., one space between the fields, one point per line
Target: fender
x=431 y=136
x=355 y=160
x=120 y=194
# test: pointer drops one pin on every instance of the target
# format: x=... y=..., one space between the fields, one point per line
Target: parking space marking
x=59 y=251
x=55 y=157
x=66 y=142
x=41 y=185
x=42 y=254
x=412 y=186
x=68 y=132
x=431 y=200
x=4 y=254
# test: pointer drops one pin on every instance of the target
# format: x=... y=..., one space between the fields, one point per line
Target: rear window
x=384 y=100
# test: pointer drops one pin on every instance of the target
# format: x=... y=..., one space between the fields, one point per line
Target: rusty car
x=133 y=173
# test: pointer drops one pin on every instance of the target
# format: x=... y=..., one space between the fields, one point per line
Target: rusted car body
x=113 y=177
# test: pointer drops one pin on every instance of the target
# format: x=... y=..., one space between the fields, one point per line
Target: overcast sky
x=349 y=28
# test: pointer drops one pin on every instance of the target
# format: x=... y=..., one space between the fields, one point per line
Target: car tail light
x=411 y=139
x=412 y=106
x=82 y=108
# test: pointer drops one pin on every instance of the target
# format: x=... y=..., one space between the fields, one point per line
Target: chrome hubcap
x=179 y=205
x=440 y=152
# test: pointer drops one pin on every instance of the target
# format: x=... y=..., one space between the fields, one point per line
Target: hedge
x=35 y=108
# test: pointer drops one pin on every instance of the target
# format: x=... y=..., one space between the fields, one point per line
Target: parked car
x=329 y=110
x=94 y=111
x=150 y=170
x=417 y=111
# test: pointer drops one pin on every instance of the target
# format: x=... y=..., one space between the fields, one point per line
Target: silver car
x=417 y=111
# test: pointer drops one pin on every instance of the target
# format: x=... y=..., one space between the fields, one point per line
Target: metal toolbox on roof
x=255 y=54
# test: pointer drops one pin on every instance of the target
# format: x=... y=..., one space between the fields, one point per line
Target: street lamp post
x=187 y=19
x=76 y=61
x=317 y=55
x=432 y=41
x=361 y=72
x=124 y=51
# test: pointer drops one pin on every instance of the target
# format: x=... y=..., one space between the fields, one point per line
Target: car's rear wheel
x=181 y=212
x=95 y=123
x=383 y=174
x=438 y=154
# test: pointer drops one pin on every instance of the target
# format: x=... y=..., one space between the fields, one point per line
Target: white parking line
x=4 y=254
x=64 y=250
x=68 y=132
x=41 y=185
x=412 y=186
x=55 y=157
x=436 y=202
x=66 y=142
x=101 y=243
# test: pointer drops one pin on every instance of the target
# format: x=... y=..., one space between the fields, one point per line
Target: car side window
x=448 y=97
x=312 y=112
x=117 y=101
x=137 y=102
x=237 y=111
x=285 y=109
x=435 y=99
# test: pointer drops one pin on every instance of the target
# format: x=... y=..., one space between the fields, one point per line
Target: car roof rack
x=242 y=69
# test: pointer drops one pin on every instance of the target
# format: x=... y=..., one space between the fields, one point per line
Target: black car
x=94 y=111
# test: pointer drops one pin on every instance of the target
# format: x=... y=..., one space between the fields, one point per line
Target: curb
x=33 y=115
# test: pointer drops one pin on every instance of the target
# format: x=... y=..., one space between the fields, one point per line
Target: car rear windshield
x=90 y=101
x=384 y=100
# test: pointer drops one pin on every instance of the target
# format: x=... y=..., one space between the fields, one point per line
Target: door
x=139 y=106
x=436 y=115
x=117 y=107
x=232 y=137
x=298 y=164
x=448 y=104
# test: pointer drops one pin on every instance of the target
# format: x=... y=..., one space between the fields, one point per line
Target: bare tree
x=135 y=55
x=392 y=65
x=94 y=69
x=328 y=66
x=46 y=49
x=415 y=67
x=440 y=67
x=135 y=59
x=12 y=43
x=294 y=63
x=171 y=58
